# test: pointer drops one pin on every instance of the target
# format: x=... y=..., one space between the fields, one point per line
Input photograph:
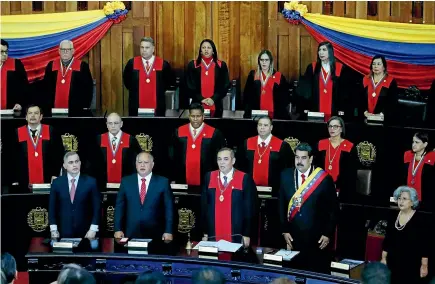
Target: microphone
x=105 y=114
x=181 y=114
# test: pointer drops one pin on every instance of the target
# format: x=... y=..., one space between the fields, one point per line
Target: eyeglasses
x=403 y=199
x=113 y=123
x=65 y=50
x=4 y=51
x=335 y=127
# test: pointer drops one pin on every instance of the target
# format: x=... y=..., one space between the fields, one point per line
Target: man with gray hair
x=74 y=208
x=147 y=77
x=68 y=82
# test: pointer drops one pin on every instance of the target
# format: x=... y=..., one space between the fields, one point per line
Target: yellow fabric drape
x=24 y=26
x=387 y=31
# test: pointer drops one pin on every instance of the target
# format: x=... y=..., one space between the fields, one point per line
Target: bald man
x=68 y=82
x=144 y=204
x=116 y=153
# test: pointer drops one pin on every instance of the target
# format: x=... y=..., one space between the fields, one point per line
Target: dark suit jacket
x=149 y=220
x=74 y=219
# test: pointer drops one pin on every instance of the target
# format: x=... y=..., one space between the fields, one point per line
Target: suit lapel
x=150 y=189
x=79 y=186
x=136 y=194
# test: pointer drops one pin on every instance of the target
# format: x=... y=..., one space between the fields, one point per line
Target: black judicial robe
x=307 y=93
x=425 y=181
x=316 y=217
x=80 y=92
x=16 y=83
x=240 y=200
x=127 y=162
x=280 y=156
x=386 y=94
x=252 y=95
x=221 y=84
x=208 y=153
x=52 y=154
x=131 y=82
x=347 y=170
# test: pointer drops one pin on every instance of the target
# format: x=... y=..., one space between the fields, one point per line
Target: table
x=111 y=263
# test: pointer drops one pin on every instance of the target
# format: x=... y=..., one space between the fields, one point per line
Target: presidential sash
x=304 y=191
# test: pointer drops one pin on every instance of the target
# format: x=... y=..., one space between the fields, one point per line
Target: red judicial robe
x=147 y=87
x=343 y=168
x=423 y=179
x=37 y=163
x=322 y=92
x=208 y=83
x=269 y=94
x=191 y=163
x=236 y=214
x=277 y=156
x=70 y=87
x=111 y=165
x=384 y=99
x=14 y=84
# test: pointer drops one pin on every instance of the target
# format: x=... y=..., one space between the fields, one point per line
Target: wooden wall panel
x=239 y=29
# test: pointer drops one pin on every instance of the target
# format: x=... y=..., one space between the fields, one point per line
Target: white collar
x=307 y=173
x=198 y=130
x=266 y=141
x=118 y=135
x=326 y=66
x=147 y=177
x=37 y=128
x=70 y=177
x=150 y=61
x=228 y=175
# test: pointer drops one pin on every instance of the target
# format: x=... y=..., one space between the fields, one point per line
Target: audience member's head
x=208 y=275
x=75 y=274
x=9 y=268
x=376 y=273
x=282 y=280
x=150 y=277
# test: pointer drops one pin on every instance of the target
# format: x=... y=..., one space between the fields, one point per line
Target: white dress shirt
x=326 y=67
x=267 y=141
x=150 y=61
x=76 y=181
x=118 y=138
x=38 y=130
x=198 y=130
x=307 y=173
x=228 y=175
x=147 y=181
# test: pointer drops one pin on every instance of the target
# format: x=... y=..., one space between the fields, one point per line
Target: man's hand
x=205 y=238
x=17 y=107
x=423 y=271
x=205 y=101
x=324 y=241
x=384 y=261
x=246 y=241
x=288 y=239
x=55 y=234
x=53 y=178
x=119 y=234
x=167 y=237
x=90 y=235
x=210 y=101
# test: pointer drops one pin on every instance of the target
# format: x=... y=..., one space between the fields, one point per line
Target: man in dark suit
x=74 y=210
x=144 y=205
x=308 y=207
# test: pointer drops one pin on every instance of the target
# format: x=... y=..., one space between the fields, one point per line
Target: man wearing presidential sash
x=308 y=207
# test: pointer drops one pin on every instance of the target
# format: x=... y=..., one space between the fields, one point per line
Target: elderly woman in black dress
x=406 y=246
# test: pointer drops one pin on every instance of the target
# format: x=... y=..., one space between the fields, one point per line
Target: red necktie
x=72 y=192
x=143 y=190
x=303 y=178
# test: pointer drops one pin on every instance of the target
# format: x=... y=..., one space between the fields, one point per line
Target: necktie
x=225 y=181
x=34 y=136
x=143 y=191
x=114 y=143
x=263 y=145
x=72 y=192
x=303 y=178
x=194 y=132
x=147 y=65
